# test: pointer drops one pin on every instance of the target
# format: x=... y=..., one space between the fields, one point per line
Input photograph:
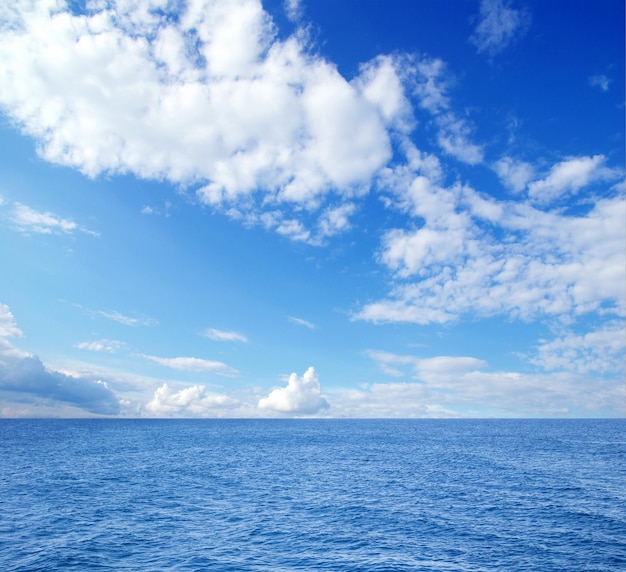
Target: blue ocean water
x=340 y=495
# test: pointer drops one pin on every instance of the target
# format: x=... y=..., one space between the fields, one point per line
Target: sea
x=281 y=495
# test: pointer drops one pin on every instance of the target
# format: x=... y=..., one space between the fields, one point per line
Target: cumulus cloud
x=599 y=351
x=27 y=379
x=470 y=253
x=223 y=336
x=499 y=26
x=193 y=364
x=192 y=401
x=207 y=96
x=8 y=325
x=570 y=176
x=514 y=174
x=302 y=395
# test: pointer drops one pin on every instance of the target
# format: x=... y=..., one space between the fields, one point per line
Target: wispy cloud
x=223 y=336
x=104 y=345
x=301 y=322
x=600 y=81
x=499 y=26
x=570 y=176
x=192 y=364
x=450 y=386
x=124 y=319
x=293 y=9
x=431 y=87
x=27 y=220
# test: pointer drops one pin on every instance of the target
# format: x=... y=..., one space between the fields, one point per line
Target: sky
x=352 y=208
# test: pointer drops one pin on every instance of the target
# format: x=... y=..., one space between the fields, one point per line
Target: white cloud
x=600 y=81
x=515 y=175
x=209 y=97
x=192 y=401
x=446 y=386
x=24 y=219
x=222 y=336
x=469 y=253
x=124 y=319
x=424 y=368
x=8 y=326
x=301 y=322
x=381 y=85
x=499 y=26
x=570 y=176
x=26 y=381
x=192 y=364
x=598 y=351
x=302 y=395
x=293 y=8
x=431 y=87
x=106 y=346
x=335 y=220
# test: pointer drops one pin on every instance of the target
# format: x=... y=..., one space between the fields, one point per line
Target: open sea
x=340 y=495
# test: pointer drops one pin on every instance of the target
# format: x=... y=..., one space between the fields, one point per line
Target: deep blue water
x=341 y=495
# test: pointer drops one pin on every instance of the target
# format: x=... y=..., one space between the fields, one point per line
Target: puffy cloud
x=515 y=175
x=470 y=253
x=192 y=401
x=599 y=351
x=8 y=326
x=499 y=26
x=206 y=96
x=222 y=336
x=27 y=379
x=570 y=176
x=302 y=395
x=335 y=220
x=193 y=364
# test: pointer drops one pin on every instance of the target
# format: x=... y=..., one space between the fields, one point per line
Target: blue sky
x=344 y=209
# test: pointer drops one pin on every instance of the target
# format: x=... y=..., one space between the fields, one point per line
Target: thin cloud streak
x=223 y=336
x=301 y=322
